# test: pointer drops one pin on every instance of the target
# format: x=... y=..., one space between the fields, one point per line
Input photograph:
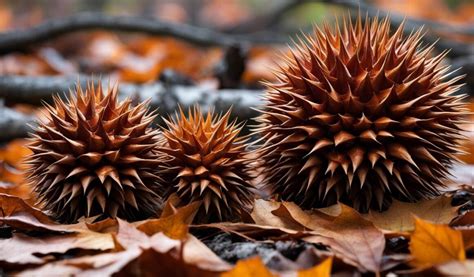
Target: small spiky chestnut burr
x=208 y=162
x=95 y=156
x=361 y=116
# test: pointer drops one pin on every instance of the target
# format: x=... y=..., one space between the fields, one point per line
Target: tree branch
x=14 y=124
x=20 y=39
x=268 y=20
x=165 y=98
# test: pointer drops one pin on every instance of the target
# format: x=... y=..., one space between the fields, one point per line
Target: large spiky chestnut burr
x=208 y=162
x=95 y=156
x=361 y=116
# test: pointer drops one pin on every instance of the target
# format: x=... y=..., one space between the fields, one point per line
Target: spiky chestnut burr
x=95 y=156
x=360 y=116
x=208 y=161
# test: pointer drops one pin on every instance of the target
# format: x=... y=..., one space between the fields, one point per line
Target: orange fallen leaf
x=252 y=267
x=174 y=226
x=433 y=244
x=321 y=270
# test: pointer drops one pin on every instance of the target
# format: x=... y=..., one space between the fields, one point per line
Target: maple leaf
x=398 y=218
x=354 y=239
x=433 y=244
x=174 y=226
x=16 y=213
x=251 y=267
x=321 y=270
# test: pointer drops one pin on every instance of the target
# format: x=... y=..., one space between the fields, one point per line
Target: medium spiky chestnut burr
x=361 y=116
x=94 y=155
x=208 y=162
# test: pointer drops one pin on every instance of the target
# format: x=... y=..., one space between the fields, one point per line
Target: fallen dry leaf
x=262 y=215
x=174 y=226
x=457 y=268
x=321 y=270
x=23 y=249
x=433 y=244
x=398 y=218
x=252 y=267
x=354 y=239
x=18 y=214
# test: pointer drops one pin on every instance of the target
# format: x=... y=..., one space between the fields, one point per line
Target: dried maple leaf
x=321 y=270
x=398 y=218
x=174 y=226
x=18 y=214
x=249 y=268
x=433 y=244
x=22 y=249
x=351 y=237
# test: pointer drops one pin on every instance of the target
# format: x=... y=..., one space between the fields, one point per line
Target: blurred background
x=243 y=39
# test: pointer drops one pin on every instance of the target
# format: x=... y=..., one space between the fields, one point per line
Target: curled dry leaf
x=249 y=268
x=194 y=252
x=352 y=238
x=262 y=215
x=456 y=268
x=433 y=244
x=321 y=270
x=398 y=218
x=22 y=249
x=18 y=214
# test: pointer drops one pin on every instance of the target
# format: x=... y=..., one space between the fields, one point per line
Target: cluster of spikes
x=361 y=116
x=357 y=115
x=96 y=156
x=208 y=162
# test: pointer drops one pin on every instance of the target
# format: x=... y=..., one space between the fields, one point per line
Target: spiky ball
x=361 y=116
x=96 y=156
x=208 y=162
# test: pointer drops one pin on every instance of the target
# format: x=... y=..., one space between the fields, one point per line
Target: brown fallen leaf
x=352 y=238
x=174 y=226
x=22 y=249
x=433 y=244
x=262 y=215
x=398 y=218
x=18 y=214
x=194 y=252
x=252 y=267
x=96 y=265
x=464 y=220
x=456 y=268
x=321 y=270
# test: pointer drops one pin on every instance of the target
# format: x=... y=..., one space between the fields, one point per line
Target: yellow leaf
x=252 y=267
x=433 y=244
x=174 y=226
x=321 y=270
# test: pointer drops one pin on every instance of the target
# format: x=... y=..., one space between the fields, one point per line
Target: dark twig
x=13 y=124
x=165 y=98
x=18 y=39
x=268 y=20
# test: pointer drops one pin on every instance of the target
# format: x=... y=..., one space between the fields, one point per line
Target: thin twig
x=268 y=20
x=18 y=39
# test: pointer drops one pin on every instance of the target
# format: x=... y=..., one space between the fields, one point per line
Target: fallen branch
x=14 y=124
x=165 y=98
x=273 y=17
x=20 y=39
